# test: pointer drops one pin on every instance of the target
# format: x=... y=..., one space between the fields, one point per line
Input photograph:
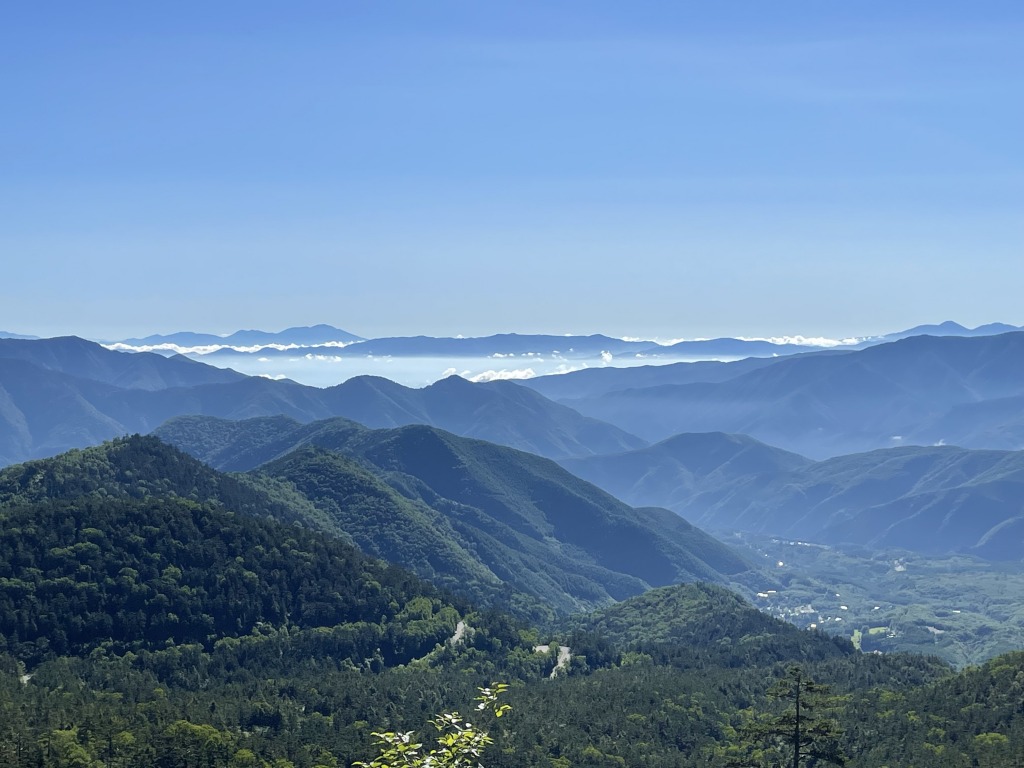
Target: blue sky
x=669 y=169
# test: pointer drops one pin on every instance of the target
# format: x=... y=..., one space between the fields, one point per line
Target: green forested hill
x=141 y=467
x=468 y=512
x=679 y=616
x=133 y=544
x=975 y=718
x=135 y=574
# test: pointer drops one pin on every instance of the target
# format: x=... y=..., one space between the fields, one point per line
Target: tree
x=801 y=733
x=459 y=743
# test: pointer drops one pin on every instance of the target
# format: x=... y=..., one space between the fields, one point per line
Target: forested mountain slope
x=133 y=544
x=533 y=525
x=928 y=499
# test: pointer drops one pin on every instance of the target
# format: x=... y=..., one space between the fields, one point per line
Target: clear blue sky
x=633 y=168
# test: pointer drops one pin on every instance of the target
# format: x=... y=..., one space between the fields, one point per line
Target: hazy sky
x=678 y=169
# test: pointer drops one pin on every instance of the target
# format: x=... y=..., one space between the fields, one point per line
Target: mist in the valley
x=320 y=370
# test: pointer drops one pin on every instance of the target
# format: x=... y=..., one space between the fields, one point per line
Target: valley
x=963 y=609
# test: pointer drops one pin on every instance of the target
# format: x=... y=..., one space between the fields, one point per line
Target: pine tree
x=801 y=734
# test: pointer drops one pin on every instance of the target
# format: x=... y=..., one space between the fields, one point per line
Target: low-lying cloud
x=519 y=374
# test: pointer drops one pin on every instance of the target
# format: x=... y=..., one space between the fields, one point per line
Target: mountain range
x=933 y=500
x=950 y=328
x=844 y=405
x=302 y=335
x=328 y=339
x=464 y=512
x=78 y=358
x=63 y=393
x=920 y=390
x=524 y=347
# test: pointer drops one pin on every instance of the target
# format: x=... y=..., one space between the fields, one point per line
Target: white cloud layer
x=522 y=373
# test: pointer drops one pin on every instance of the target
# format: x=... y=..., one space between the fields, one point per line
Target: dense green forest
x=154 y=612
x=471 y=515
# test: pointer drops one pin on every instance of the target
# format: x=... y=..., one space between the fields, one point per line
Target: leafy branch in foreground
x=459 y=744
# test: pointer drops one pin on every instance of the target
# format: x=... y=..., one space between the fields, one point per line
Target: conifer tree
x=801 y=734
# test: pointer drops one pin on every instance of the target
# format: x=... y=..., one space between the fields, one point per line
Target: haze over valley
x=323 y=355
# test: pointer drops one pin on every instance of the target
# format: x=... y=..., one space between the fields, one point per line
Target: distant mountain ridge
x=918 y=390
x=62 y=393
x=83 y=359
x=524 y=346
x=927 y=499
x=57 y=394
x=324 y=338
x=950 y=328
x=304 y=335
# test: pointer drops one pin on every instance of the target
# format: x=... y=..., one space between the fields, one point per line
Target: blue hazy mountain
x=919 y=390
x=83 y=359
x=499 y=411
x=951 y=328
x=302 y=335
x=728 y=347
x=756 y=354
x=9 y=335
x=57 y=394
x=933 y=499
x=592 y=382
